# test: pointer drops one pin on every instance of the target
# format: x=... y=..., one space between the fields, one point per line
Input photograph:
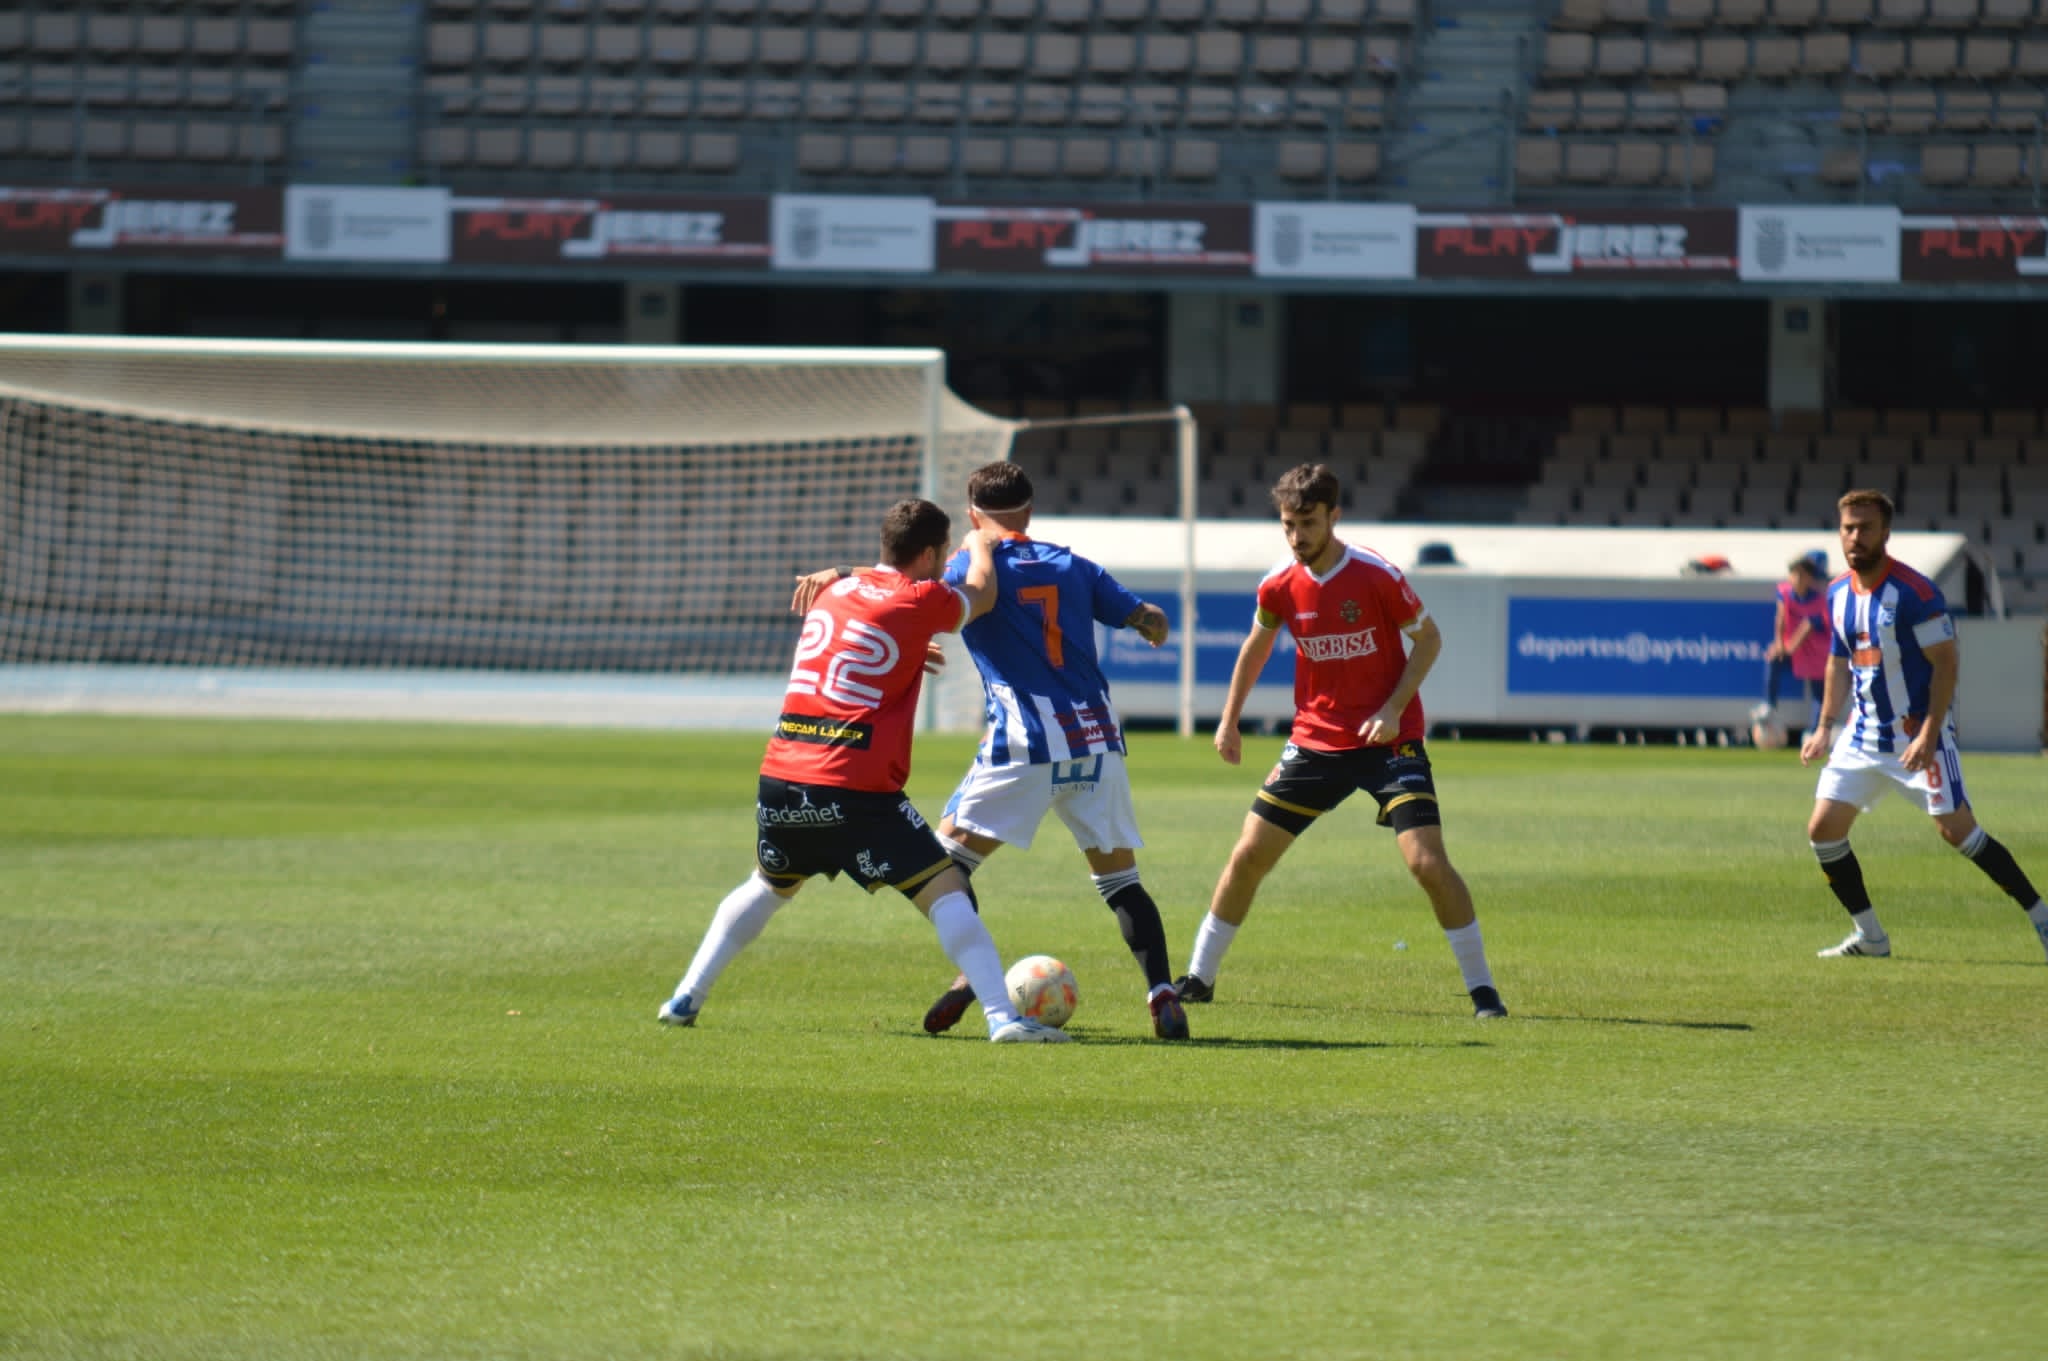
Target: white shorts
x=1859 y=777
x=1091 y=795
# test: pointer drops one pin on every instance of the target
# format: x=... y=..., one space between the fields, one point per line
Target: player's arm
x=1425 y=645
x=1778 y=647
x=978 y=586
x=1251 y=660
x=1834 y=693
x=1150 y=622
x=807 y=587
x=1944 y=663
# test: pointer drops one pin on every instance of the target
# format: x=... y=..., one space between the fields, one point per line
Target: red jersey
x=1347 y=638
x=852 y=698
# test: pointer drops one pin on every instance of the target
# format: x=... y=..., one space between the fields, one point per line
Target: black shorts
x=879 y=839
x=1306 y=784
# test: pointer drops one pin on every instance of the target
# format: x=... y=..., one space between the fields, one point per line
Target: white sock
x=973 y=952
x=1470 y=951
x=1212 y=942
x=2038 y=914
x=733 y=927
x=1867 y=924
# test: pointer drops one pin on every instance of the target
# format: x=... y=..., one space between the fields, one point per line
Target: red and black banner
x=1973 y=249
x=671 y=230
x=1689 y=243
x=142 y=220
x=1206 y=239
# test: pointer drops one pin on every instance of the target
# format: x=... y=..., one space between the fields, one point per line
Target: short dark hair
x=1306 y=485
x=1868 y=496
x=910 y=527
x=999 y=487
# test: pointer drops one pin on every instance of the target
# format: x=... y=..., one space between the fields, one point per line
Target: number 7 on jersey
x=1047 y=601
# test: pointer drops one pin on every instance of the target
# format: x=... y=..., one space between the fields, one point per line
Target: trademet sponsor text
x=1637 y=648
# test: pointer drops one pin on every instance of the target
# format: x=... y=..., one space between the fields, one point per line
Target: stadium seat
x=1638 y=163
x=1539 y=161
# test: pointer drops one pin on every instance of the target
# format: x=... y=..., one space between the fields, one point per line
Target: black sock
x=1137 y=916
x=1845 y=874
x=1995 y=860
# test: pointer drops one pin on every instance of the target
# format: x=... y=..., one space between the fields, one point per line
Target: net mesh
x=449 y=506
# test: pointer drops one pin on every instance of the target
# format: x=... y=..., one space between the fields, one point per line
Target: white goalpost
x=545 y=533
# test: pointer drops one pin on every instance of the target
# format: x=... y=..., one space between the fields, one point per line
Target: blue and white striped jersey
x=1045 y=694
x=1884 y=633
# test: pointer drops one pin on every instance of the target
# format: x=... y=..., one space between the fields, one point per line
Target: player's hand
x=1151 y=625
x=1815 y=746
x=1775 y=652
x=934 y=659
x=1919 y=753
x=1229 y=744
x=807 y=589
x=1381 y=729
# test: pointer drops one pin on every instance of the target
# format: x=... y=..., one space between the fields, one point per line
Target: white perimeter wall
x=1628 y=579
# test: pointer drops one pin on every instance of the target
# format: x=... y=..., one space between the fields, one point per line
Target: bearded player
x=831 y=794
x=1357 y=726
x=1894 y=663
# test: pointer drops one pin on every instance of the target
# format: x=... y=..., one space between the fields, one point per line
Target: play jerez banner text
x=851 y=234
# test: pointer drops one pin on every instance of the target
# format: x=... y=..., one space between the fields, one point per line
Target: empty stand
x=1982 y=473
x=112 y=90
x=1212 y=92
x=1846 y=99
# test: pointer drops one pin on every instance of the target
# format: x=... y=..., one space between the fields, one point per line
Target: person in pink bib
x=1799 y=637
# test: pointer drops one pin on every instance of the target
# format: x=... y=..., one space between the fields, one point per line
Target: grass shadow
x=1640 y=1020
x=1254 y=1042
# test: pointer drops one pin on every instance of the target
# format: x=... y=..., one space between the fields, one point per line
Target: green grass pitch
x=338 y=1041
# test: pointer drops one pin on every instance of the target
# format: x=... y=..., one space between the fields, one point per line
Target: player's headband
x=1025 y=504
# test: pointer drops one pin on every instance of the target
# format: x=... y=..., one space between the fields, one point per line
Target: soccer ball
x=1769 y=734
x=1043 y=989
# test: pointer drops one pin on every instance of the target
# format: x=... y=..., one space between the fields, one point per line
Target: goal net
x=466 y=508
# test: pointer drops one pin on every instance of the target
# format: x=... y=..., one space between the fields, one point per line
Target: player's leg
x=987 y=798
x=1422 y=850
x=1834 y=812
x=1092 y=797
x=942 y=897
x=1116 y=878
x=1949 y=805
x=890 y=845
x=1260 y=844
x=1775 y=671
x=1402 y=783
x=1305 y=785
x=791 y=847
x=739 y=919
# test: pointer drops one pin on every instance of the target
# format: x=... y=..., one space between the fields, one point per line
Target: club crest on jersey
x=1349 y=609
x=1887 y=617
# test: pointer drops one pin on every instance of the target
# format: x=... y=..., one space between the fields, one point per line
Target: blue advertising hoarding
x=1647 y=648
x=1225 y=617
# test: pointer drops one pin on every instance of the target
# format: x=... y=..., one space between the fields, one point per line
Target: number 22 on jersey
x=859 y=650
